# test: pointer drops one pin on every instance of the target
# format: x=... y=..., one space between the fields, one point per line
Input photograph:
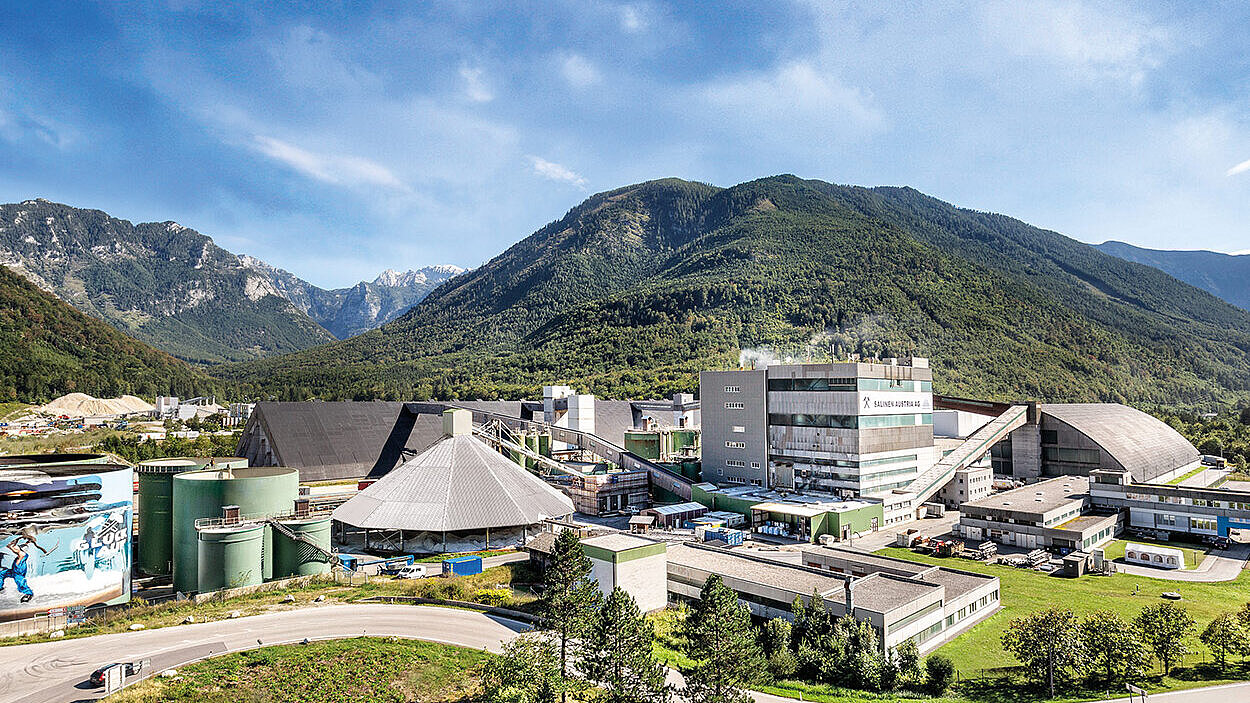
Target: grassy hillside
x=48 y=348
x=635 y=290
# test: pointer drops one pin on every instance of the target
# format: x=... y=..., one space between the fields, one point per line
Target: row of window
x=740 y=464
x=735 y=445
x=1178 y=500
x=1071 y=456
x=844 y=463
x=848 y=422
x=848 y=384
x=735 y=406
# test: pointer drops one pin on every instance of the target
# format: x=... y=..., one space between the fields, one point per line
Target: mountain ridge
x=1226 y=276
x=174 y=288
x=636 y=289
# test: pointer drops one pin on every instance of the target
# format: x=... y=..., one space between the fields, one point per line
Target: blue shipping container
x=462 y=566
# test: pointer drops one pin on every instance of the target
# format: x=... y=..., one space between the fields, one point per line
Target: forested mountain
x=160 y=282
x=1225 y=275
x=173 y=288
x=635 y=290
x=48 y=348
x=347 y=312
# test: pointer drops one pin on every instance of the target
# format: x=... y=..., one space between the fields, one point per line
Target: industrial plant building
x=458 y=495
x=1055 y=514
x=1076 y=439
x=900 y=600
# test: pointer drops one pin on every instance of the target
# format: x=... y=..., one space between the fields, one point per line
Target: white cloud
x=798 y=95
x=1239 y=168
x=475 y=86
x=579 y=71
x=336 y=169
x=632 y=19
x=1091 y=42
x=556 y=172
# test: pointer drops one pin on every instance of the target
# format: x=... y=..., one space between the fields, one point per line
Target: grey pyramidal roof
x=460 y=483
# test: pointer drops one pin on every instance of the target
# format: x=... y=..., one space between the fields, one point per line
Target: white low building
x=1151 y=555
x=639 y=566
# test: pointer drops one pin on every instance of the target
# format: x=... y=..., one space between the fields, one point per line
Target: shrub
x=782 y=664
x=494 y=597
x=939 y=674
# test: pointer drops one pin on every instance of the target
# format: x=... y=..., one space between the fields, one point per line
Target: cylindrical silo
x=292 y=557
x=156 y=508
x=230 y=556
x=24 y=461
x=258 y=491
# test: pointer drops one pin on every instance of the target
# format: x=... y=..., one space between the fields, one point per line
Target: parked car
x=415 y=571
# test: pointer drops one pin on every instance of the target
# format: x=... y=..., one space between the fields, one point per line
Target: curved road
x=54 y=672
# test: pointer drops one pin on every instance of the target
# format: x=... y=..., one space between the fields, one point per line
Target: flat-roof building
x=636 y=565
x=898 y=606
x=1051 y=514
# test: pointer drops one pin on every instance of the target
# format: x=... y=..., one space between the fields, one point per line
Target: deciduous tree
x=1225 y=636
x=1114 y=648
x=1047 y=641
x=1164 y=627
x=528 y=671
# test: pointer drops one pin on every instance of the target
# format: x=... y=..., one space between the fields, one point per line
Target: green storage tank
x=156 y=506
x=292 y=557
x=230 y=557
x=156 y=513
x=262 y=490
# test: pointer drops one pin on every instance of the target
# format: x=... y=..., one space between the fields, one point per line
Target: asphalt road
x=55 y=672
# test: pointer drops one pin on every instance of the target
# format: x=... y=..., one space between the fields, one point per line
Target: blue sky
x=339 y=139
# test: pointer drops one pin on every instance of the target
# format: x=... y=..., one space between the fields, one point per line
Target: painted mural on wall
x=64 y=539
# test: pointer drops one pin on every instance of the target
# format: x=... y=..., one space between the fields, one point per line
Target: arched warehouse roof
x=1139 y=442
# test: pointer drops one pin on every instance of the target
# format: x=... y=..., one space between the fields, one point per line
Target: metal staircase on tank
x=972 y=449
x=330 y=556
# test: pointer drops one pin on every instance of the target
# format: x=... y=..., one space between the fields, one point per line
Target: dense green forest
x=48 y=348
x=1226 y=435
x=635 y=290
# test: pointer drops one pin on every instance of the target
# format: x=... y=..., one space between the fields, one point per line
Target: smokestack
x=850 y=596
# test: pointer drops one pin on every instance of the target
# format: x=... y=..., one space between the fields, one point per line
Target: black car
x=132 y=668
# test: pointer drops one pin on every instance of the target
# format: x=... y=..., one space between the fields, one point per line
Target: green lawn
x=1024 y=591
x=361 y=669
x=1176 y=481
x=1193 y=555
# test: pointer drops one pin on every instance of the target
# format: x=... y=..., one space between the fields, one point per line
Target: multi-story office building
x=847 y=429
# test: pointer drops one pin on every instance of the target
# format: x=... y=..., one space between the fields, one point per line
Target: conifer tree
x=569 y=598
x=724 y=643
x=619 y=658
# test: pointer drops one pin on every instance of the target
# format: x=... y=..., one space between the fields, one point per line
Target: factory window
x=736 y=463
x=1071 y=456
x=811 y=384
x=755 y=464
x=1162 y=519
x=1200 y=523
x=739 y=429
x=1050 y=437
x=735 y=445
x=733 y=389
x=734 y=406
x=885 y=384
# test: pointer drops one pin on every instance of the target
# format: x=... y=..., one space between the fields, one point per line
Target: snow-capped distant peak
x=394 y=279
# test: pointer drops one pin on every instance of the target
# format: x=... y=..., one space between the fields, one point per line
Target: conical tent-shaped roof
x=460 y=483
